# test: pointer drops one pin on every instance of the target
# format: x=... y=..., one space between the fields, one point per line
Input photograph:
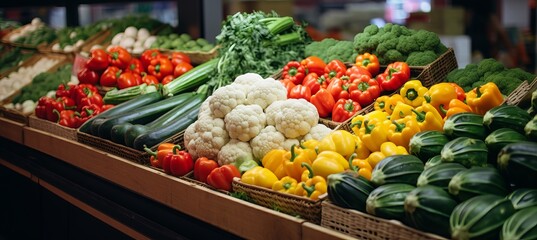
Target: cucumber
x=397 y=169
x=191 y=79
x=348 y=190
x=518 y=163
x=466 y=151
x=92 y=125
x=465 y=124
x=427 y=144
x=480 y=217
x=388 y=201
x=506 y=116
x=523 y=198
x=439 y=175
x=521 y=225
x=428 y=208
x=476 y=181
x=142 y=115
x=157 y=135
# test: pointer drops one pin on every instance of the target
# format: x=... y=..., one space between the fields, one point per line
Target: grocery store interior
x=54 y=187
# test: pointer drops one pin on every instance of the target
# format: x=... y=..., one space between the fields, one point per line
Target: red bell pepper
x=86 y=95
x=160 y=67
x=395 y=75
x=149 y=79
x=105 y=107
x=324 y=102
x=300 y=91
x=85 y=75
x=127 y=79
x=315 y=82
x=67 y=102
x=339 y=88
x=167 y=79
x=119 y=57
x=157 y=157
x=52 y=106
x=110 y=76
x=288 y=84
x=41 y=107
x=222 y=177
x=177 y=163
x=149 y=55
x=313 y=64
x=344 y=109
x=68 y=118
x=65 y=90
x=356 y=73
x=334 y=69
x=179 y=57
x=368 y=61
x=136 y=66
x=364 y=91
x=181 y=68
x=98 y=61
x=461 y=94
x=203 y=167
x=88 y=112
x=294 y=71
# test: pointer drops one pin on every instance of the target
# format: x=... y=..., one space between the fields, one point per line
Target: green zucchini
x=518 y=162
x=348 y=190
x=92 y=125
x=118 y=131
x=506 y=116
x=497 y=139
x=530 y=130
x=388 y=201
x=428 y=208
x=476 y=181
x=157 y=135
x=433 y=161
x=465 y=124
x=142 y=115
x=439 y=175
x=397 y=169
x=480 y=217
x=521 y=225
x=117 y=96
x=466 y=151
x=191 y=79
x=523 y=198
x=427 y=144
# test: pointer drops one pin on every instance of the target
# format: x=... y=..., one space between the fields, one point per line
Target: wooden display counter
x=213 y=209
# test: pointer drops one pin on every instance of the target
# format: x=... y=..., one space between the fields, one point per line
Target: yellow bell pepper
x=308 y=173
x=392 y=101
x=386 y=149
x=293 y=160
x=259 y=176
x=312 y=188
x=361 y=166
x=361 y=150
x=428 y=118
x=455 y=106
x=340 y=141
x=374 y=133
x=358 y=120
x=401 y=110
x=285 y=185
x=329 y=162
x=381 y=103
x=312 y=144
x=273 y=160
x=483 y=98
x=413 y=92
x=402 y=130
x=440 y=94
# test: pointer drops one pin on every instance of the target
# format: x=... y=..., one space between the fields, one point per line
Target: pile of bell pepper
x=118 y=68
x=339 y=91
x=72 y=105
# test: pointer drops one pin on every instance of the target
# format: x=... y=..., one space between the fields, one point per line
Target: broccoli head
x=318 y=48
x=362 y=43
x=505 y=84
x=421 y=58
x=489 y=65
x=397 y=30
x=342 y=50
x=477 y=84
x=386 y=37
x=520 y=74
x=426 y=40
x=386 y=28
x=406 y=45
x=454 y=75
x=440 y=49
x=393 y=55
x=371 y=29
x=384 y=46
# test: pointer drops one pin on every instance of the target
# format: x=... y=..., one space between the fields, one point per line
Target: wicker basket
x=52 y=127
x=14 y=115
x=302 y=207
x=364 y=226
x=189 y=177
x=131 y=154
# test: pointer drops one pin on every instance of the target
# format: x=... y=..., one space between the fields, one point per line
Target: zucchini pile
x=477 y=179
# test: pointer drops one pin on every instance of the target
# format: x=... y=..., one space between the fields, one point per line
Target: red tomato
x=149 y=79
x=181 y=68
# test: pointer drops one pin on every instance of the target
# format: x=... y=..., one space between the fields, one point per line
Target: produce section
x=396 y=137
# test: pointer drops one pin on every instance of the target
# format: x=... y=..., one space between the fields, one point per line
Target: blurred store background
x=340 y=19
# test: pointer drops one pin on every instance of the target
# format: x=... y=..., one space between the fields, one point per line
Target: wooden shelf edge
x=12 y=130
x=311 y=231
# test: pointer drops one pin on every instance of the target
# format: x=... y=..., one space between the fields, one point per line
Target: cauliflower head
x=225 y=99
x=208 y=137
x=289 y=143
x=204 y=108
x=244 y=122
x=318 y=132
x=266 y=92
x=295 y=117
x=272 y=110
x=247 y=80
x=269 y=138
x=234 y=150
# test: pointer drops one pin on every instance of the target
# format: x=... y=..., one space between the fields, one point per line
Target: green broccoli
x=407 y=45
x=342 y=50
x=393 y=55
x=371 y=29
x=472 y=67
x=426 y=40
x=440 y=49
x=421 y=58
x=384 y=46
x=318 y=48
x=520 y=74
x=489 y=65
x=386 y=37
x=477 y=84
x=362 y=43
x=454 y=75
x=505 y=84
x=386 y=28
x=397 y=30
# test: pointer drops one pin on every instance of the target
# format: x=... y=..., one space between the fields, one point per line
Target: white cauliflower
x=208 y=137
x=247 y=80
x=266 y=92
x=244 y=122
x=224 y=99
x=318 y=132
x=234 y=150
x=204 y=108
x=295 y=117
x=271 y=111
x=288 y=143
x=189 y=134
x=269 y=138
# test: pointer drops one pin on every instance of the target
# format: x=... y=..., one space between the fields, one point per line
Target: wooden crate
x=52 y=127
